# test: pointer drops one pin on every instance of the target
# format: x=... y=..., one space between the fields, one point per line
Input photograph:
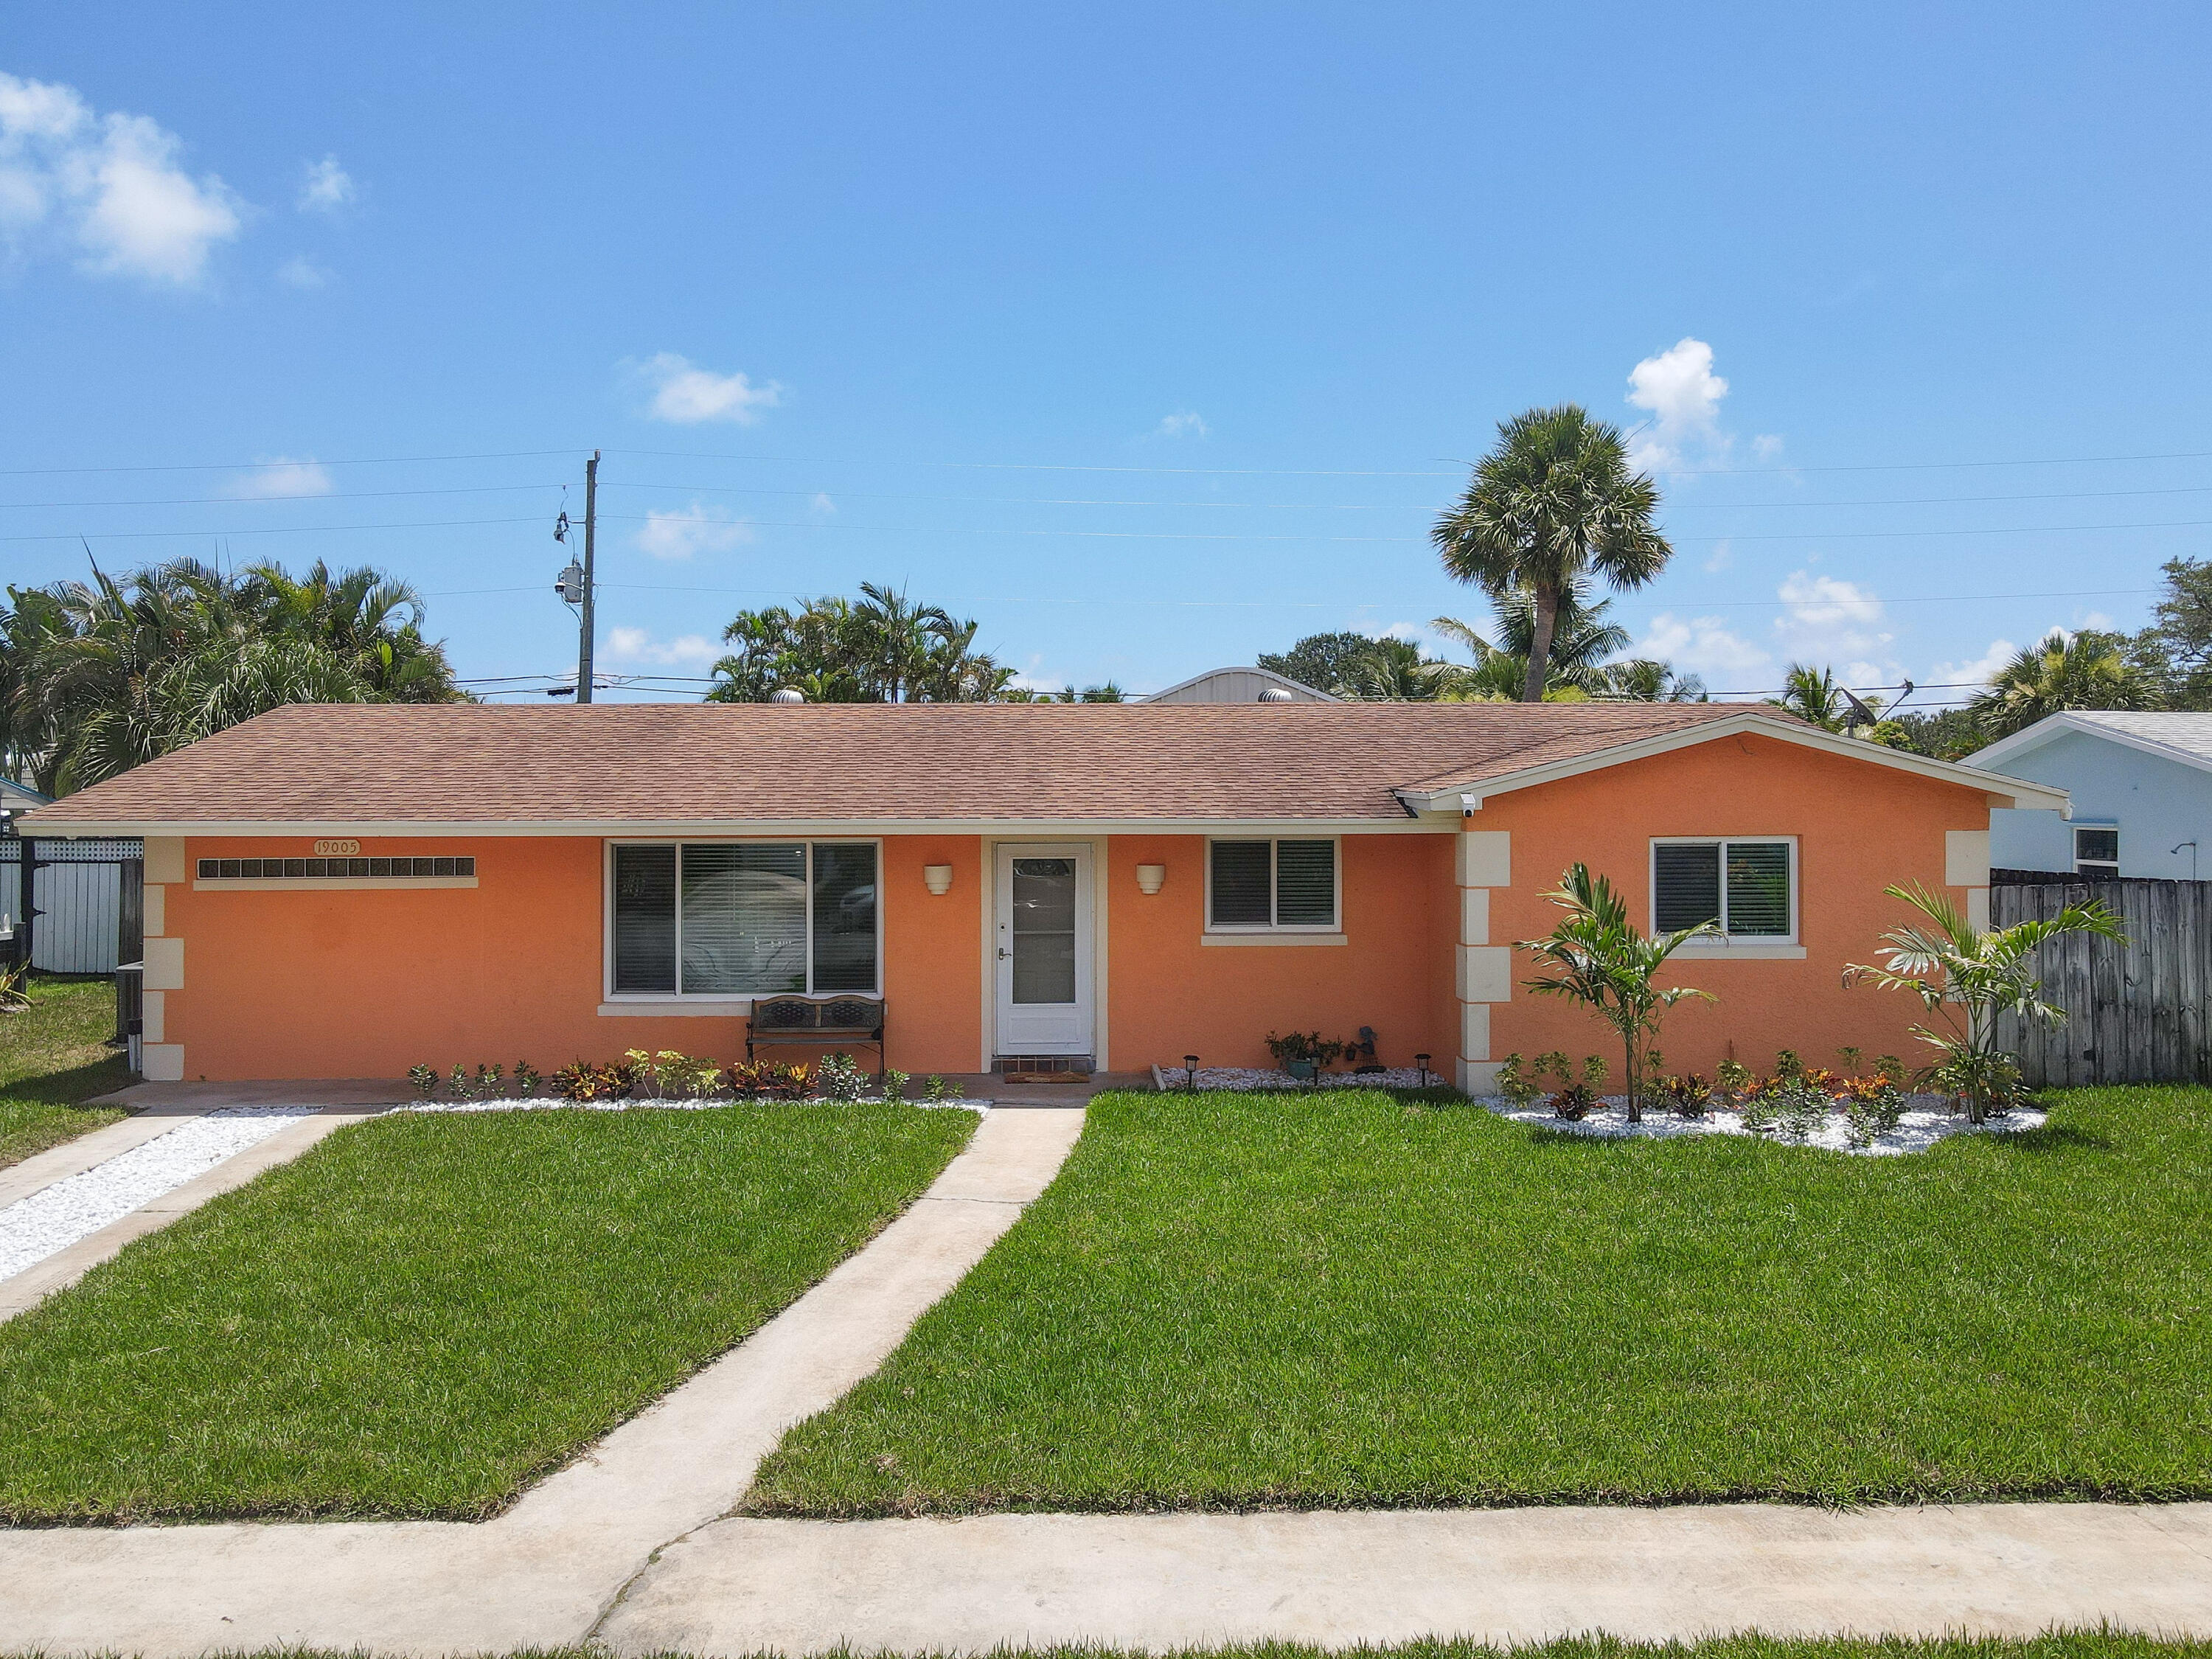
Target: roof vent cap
x=787 y=694
x=1276 y=694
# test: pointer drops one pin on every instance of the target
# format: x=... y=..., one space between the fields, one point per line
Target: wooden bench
x=827 y=1022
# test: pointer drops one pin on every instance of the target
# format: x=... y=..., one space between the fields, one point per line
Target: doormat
x=1046 y=1077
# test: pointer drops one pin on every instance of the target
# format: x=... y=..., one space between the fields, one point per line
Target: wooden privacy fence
x=2135 y=1013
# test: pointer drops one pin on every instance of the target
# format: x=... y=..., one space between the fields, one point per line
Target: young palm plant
x=1971 y=975
x=1597 y=957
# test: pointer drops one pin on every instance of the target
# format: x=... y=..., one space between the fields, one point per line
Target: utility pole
x=591 y=526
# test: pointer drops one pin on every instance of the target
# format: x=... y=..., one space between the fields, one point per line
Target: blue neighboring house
x=2141 y=785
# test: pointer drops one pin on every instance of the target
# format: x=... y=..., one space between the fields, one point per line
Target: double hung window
x=1747 y=888
x=1252 y=885
x=731 y=918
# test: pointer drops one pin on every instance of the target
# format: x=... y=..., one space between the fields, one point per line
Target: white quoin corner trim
x=1482 y=860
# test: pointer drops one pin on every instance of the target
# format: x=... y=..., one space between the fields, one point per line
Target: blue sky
x=1153 y=337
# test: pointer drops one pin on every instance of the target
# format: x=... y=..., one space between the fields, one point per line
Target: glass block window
x=373 y=869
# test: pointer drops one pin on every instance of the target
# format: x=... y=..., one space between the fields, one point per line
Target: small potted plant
x=1302 y=1054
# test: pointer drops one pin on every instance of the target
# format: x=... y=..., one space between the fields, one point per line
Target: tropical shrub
x=489 y=1079
x=1517 y=1085
x=765 y=1079
x=585 y=1081
x=894 y=1086
x=458 y=1083
x=1731 y=1078
x=1800 y=1107
x=940 y=1088
x=525 y=1078
x=425 y=1079
x=1969 y=976
x=1597 y=957
x=839 y=1078
x=1873 y=1106
x=1573 y=1102
x=13 y=998
x=1686 y=1096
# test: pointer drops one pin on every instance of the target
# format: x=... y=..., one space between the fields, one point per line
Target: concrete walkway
x=546 y=1572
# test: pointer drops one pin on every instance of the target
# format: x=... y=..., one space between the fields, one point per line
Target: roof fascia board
x=1469 y=797
x=1033 y=829
x=2057 y=726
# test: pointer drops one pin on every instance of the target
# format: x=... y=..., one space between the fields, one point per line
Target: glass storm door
x=1044 y=950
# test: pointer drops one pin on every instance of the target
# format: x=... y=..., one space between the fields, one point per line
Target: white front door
x=1044 y=949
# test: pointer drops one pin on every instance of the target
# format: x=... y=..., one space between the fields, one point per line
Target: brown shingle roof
x=708 y=763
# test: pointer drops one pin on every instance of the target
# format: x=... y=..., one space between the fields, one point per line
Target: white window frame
x=2111 y=824
x=735 y=1001
x=1275 y=842
x=1725 y=943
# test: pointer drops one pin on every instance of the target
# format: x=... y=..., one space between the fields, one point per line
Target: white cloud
x=299 y=271
x=1703 y=644
x=326 y=188
x=1720 y=557
x=1683 y=396
x=110 y=185
x=1184 y=423
x=281 y=477
x=1979 y=671
x=2097 y=620
x=821 y=503
x=1828 y=617
x=637 y=645
x=697 y=529
x=687 y=395
x=1765 y=447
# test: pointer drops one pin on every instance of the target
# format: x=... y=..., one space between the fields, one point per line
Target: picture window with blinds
x=733 y=919
x=1271 y=886
x=1748 y=887
x=324 y=869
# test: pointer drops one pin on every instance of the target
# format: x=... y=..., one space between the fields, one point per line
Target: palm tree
x=1646 y=679
x=370 y=621
x=1597 y=957
x=1582 y=638
x=1390 y=670
x=105 y=675
x=1971 y=975
x=884 y=648
x=1555 y=501
x=2089 y=671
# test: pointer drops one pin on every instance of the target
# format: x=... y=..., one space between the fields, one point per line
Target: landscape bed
x=1348 y=1298
x=426 y=1311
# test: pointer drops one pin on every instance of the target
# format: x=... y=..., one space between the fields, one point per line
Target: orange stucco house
x=346 y=890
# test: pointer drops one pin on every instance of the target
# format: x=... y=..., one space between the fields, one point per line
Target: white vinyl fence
x=78 y=889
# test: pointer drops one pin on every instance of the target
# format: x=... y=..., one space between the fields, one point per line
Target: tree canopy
x=99 y=676
x=1554 y=501
x=882 y=647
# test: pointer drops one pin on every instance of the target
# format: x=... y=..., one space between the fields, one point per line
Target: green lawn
x=53 y=1055
x=1349 y=1299
x=424 y=1312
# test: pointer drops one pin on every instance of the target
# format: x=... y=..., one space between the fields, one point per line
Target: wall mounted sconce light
x=1151 y=878
x=939 y=876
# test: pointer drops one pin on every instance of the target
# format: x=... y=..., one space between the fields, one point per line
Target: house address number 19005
x=343 y=848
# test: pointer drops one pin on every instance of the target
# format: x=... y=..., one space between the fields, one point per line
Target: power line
x=263 y=464
x=290 y=501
